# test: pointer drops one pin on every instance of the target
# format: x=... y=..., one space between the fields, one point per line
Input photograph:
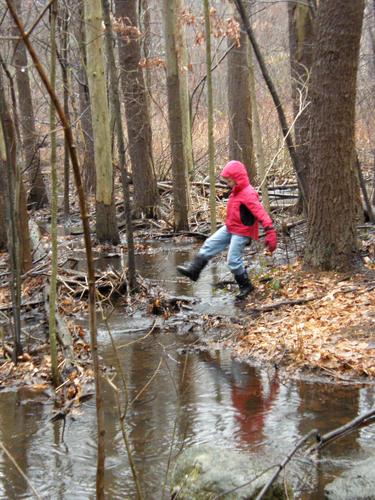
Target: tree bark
x=334 y=183
x=38 y=194
x=136 y=111
x=178 y=112
x=239 y=106
x=106 y=224
x=88 y=164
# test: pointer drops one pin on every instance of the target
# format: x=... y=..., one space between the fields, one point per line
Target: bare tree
x=178 y=111
x=106 y=225
x=136 y=109
x=300 y=17
x=239 y=105
x=88 y=165
x=116 y=106
x=38 y=193
x=211 y=151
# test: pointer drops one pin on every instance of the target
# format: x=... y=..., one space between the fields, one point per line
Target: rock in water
x=203 y=473
x=356 y=483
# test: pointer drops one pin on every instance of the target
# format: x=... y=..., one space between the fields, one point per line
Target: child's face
x=229 y=181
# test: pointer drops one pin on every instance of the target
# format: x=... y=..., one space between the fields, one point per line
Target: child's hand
x=271 y=239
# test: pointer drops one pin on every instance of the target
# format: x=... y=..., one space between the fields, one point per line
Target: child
x=244 y=210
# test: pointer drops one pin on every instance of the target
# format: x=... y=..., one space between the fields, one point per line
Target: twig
x=11 y=458
x=281 y=466
x=36 y=22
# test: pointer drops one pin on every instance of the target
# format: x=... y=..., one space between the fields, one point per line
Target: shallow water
x=190 y=398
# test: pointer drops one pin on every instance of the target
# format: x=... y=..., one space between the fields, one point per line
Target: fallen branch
x=282 y=303
x=360 y=421
x=7 y=307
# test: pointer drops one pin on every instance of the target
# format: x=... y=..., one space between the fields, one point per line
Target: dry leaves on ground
x=334 y=332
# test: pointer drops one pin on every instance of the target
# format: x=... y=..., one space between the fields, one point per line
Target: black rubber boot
x=194 y=268
x=244 y=284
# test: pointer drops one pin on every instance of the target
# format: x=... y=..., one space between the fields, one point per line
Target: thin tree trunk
x=275 y=97
x=65 y=80
x=300 y=18
x=116 y=105
x=239 y=106
x=38 y=194
x=136 y=112
x=54 y=198
x=3 y=218
x=147 y=44
x=89 y=257
x=88 y=165
x=9 y=144
x=106 y=224
x=181 y=158
x=334 y=182
x=257 y=138
x=211 y=152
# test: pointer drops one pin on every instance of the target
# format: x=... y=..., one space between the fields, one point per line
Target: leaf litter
x=332 y=332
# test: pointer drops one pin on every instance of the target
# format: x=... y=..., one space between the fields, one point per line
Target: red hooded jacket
x=244 y=209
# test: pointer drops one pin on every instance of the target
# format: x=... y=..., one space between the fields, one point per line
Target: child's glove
x=271 y=239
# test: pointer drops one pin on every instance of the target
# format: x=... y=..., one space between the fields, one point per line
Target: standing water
x=179 y=398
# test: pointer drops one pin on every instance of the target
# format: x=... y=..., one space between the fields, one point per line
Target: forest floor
x=312 y=322
x=300 y=321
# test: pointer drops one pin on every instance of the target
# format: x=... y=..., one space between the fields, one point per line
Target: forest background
x=119 y=94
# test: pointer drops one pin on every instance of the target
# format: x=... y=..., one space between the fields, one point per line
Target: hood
x=237 y=171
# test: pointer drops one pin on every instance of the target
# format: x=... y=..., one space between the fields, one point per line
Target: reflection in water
x=178 y=400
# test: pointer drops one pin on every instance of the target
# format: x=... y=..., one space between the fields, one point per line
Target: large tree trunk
x=239 y=106
x=38 y=193
x=88 y=164
x=300 y=46
x=136 y=111
x=334 y=185
x=178 y=111
x=106 y=225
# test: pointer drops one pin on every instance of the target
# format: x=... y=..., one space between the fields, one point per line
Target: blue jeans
x=222 y=239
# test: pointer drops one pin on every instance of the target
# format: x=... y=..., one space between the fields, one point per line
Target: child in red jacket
x=244 y=212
